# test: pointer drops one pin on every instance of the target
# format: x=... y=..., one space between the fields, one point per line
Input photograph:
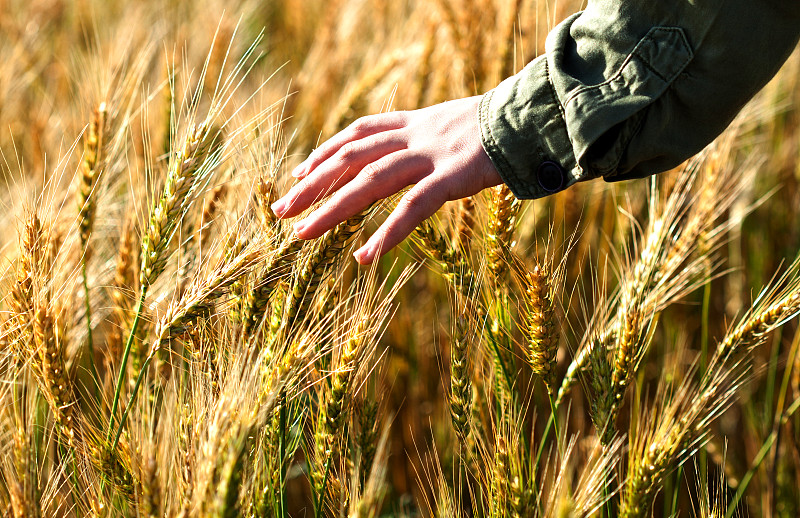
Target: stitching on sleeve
x=649 y=67
x=495 y=148
x=552 y=89
x=554 y=99
x=608 y=81
x=682 y=48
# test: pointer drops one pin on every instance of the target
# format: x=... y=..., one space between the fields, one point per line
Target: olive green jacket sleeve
x=627 y=89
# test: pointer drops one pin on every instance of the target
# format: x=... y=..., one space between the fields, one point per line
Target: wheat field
x=169 y=348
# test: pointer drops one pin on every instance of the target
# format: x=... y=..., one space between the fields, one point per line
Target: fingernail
x=279 y=207
x=299 y=170
x=299 y=227
x=364 y=254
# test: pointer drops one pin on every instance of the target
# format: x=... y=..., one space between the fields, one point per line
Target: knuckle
x=313 y=157
x=402 y=117
x=370 y=172
x=413 y=201
x=319 y=155
x=348 y=152
x=361 y=125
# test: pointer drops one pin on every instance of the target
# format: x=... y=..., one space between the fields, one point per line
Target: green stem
x=89 y=340
x=787 y=373
x=704 y=339
x=321 y=496
x=543 y=440
x=676 y=486
x=554 y=420
x=76 y=487
x=125 y=354
x=769 y=393
x=131 y=399
x=282 y=449
x=514 y=401
x=762 y=454
x=535 y=469
x=503 y=367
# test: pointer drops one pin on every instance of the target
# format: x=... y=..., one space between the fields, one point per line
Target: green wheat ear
x=192 y=164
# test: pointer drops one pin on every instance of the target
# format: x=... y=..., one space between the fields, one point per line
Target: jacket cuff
x=524 y=133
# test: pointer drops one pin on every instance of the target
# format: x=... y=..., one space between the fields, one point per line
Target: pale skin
x=436 y=150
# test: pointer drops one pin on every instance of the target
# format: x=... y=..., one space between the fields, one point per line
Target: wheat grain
x=150 y=488
x=367 y=438
x=123 y=288
x=500 y=474
x=451 y=260
x=465 y=228
x=210 y=209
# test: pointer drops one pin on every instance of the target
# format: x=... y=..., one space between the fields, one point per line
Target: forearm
x=629 y=89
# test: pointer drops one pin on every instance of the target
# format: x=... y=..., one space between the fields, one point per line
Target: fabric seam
x=636 y=53
x=495 y=148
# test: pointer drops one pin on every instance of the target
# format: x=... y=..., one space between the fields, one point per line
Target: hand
x=438 y=149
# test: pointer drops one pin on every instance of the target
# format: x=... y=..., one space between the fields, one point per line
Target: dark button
x=551 y=176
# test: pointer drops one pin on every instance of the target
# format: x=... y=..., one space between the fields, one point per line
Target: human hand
x=438 y=149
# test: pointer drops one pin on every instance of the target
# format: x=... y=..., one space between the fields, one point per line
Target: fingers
x=377 y=180
x=339 y=169
x=359 y=129
x=418 y=204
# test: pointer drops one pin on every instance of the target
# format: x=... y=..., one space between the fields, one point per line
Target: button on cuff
x=524 y=134
x=551 y=176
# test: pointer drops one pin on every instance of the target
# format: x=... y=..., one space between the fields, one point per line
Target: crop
x=169 y=348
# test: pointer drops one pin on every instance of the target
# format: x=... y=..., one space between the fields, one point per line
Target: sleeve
x=627 y=89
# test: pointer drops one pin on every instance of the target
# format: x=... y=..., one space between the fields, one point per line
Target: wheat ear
x=502 y=222
x=451 y=259
x=310 y=276
x=460 y=386
x=541 y=327
x=87 y=206
x=266 y=282
x=90 y=171
x=196 y=303
x=332 y=410
x=192 y=163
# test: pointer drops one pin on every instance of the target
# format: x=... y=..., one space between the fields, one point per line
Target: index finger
x=363 y=127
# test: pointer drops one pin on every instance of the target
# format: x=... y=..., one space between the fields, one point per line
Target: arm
x=625 y=90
